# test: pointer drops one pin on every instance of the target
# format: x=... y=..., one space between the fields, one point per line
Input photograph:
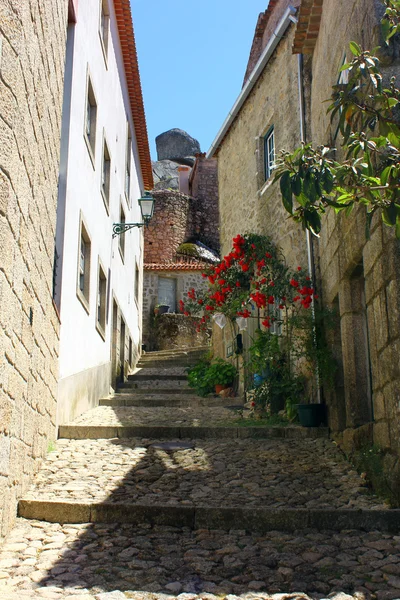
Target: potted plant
x=161 y=309
x=221 y=374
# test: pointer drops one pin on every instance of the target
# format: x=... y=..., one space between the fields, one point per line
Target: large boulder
x=165 y=175
x=177 y=145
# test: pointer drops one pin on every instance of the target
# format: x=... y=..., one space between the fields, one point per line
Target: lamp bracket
x=119 y=228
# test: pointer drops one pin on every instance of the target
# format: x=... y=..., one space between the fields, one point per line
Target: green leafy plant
x=197 y=377
x=221 y=372
x=367 y=110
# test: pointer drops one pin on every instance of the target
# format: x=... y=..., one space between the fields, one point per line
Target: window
x=269 y=153
x=130 y=356
x=167 y=293
x=105 y=175
x=128 y=167
x=83 y=283
x=101 y=301
x=277 y=319
x=90 y=120
x=121 y=238
x=104 y=26
x=136 y=283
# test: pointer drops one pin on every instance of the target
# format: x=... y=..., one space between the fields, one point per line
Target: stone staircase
x=156 y=453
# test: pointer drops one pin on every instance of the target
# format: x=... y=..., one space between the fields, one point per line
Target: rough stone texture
x=177 y=145
x=360 y=277
x=32 y=42
x=170 y=226
x=277 y=473
x=109 y=562
x=185 y=280
x=166 y=176
x=203 y=187
x=178 y=331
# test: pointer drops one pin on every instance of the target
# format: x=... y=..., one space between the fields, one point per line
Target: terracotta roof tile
x=307 y=27
x=175 y=267
x=129 y=55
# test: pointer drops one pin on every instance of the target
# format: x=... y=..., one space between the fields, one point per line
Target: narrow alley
x=159 y=494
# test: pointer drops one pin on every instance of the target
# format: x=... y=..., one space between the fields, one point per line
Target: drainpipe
x=310 y=252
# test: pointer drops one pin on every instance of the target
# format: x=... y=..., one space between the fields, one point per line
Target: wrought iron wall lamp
x=146 y=204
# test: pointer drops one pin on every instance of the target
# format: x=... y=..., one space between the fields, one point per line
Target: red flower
x=253 y=246
x=259 y=299
x=266 y=323
x=271 y=283
x=204 y=275
x=271 y=300
x=245 y=267
x=253 y=404
x=244 y=313
x=296 y=298
x=186 y=313
x=299 y=268
x=268 y=255
x=281 y=306
x=200 y=301
x=294 y=283
x=208 y=307
x=237 y=284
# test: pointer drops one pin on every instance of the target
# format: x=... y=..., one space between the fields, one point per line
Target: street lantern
x=146 y=203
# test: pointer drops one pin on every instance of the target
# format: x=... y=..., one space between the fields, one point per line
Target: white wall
x=82 y=348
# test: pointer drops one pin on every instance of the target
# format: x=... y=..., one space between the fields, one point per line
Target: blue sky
x=192 y=59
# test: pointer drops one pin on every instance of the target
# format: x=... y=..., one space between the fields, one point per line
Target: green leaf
x=286 y=190
x=385 y=175
x=309 y=187
x=392 y=102
x=345 y=67
x=327 y=181
x=296 y=185
x=389 y=215
x=355 y=49
x=313 y=221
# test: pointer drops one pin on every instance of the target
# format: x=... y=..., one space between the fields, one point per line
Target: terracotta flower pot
x=219 y=388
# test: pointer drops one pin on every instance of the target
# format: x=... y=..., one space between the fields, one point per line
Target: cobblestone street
x=281 y=515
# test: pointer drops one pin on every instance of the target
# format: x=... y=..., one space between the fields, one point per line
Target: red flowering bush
x=252 y=275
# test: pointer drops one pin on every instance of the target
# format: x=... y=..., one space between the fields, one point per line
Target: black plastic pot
x=162 y=309
x=311 y=415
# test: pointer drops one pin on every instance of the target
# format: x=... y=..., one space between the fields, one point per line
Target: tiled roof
x=256 y=47
x=175 y=267
x=308 y=26
x=129 y=54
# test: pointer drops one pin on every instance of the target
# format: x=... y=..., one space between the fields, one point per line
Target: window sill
x=265 y=187
x=90 y=150
x=83 y=300
x=101 y=331
x=106 y=201
x=104 y=49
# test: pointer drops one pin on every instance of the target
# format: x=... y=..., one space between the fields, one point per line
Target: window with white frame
x=269 y=153
x=121 y=237
x=104 y=26
x=105 y=175
x=83 y=282
x=128 y=166
x=90 y=119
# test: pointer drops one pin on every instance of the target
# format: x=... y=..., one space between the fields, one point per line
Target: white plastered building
x=105 y=168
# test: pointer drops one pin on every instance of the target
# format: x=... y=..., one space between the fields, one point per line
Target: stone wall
x=177 y=331
x=204 y=189
x=185 y=280
x=360 y=277
x=32 y=55
x=247 y=203
x=170 y=226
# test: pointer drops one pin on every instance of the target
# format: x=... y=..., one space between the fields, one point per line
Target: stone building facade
x=32 y=56
x=181 y=239
x=358 y=277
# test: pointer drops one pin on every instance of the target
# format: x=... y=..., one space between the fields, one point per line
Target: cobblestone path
x=275 y=514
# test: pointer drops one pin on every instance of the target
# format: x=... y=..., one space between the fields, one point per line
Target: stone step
x=148 y=376
x=164 y=364
x=280 y=484
x=205 y=517
x=153 y=383
x=196 y=350
x=147 y=391
x=166 y=400
x=171 y=432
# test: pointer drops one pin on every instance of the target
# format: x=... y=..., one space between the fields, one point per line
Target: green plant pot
x=311 y=415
